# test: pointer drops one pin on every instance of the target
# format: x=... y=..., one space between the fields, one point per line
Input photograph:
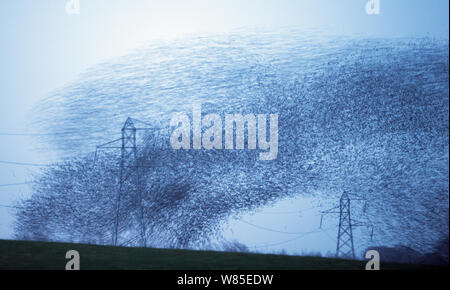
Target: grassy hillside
x=42 y=255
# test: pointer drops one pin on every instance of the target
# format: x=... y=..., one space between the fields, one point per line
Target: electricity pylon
x=128 y=159
x=345 y=246
x=129 y=165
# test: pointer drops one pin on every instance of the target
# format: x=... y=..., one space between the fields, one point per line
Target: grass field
x=43 y=255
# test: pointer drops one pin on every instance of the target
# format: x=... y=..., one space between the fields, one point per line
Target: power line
x=36 y=134
x=285 y=241
x=272 y=230
x=22 y=163
x=9 y=206
x=283 y=212
x=290 y=212
x=14 y=184
x=327 y=235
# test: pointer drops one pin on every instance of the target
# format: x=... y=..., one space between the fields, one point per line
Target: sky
x=43 y=48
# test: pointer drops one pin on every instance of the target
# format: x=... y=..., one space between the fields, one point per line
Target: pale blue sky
x=42 y=49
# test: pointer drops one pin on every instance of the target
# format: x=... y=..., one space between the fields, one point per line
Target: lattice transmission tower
x=345 y=246
x=345 y=243
x=128 y=160
x=130 y=167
